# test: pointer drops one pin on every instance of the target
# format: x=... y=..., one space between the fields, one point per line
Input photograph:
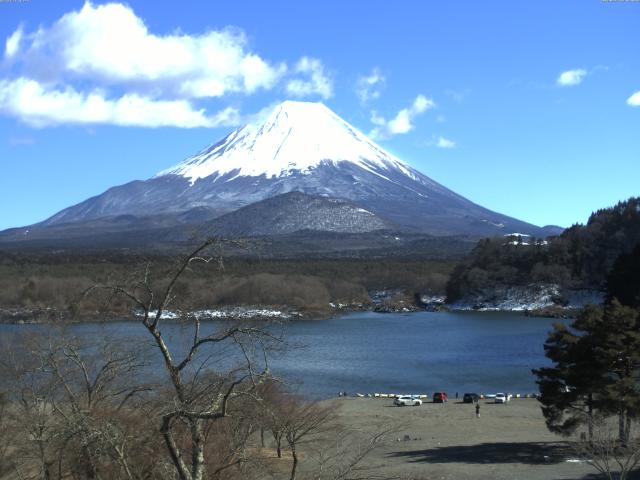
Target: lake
x=413 y=353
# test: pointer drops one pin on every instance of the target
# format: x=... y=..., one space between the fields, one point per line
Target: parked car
x=440 y=397
x=470 y=397
x=502 y=397
x=406 y=400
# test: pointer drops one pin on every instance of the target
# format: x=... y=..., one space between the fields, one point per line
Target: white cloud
x=403 y=121
x=41 y=106
x=12 y=44
x=317 y=82
x=101 y=64
x=110 y=44
x=571 y=77
x=634 y=100
x=445 y=143
x=368 y=87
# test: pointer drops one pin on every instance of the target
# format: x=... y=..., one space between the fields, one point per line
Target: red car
x=440 y=397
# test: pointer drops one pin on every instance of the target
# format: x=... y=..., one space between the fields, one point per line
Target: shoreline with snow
x=532 y=300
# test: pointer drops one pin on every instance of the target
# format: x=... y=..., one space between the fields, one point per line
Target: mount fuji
x=301 y=147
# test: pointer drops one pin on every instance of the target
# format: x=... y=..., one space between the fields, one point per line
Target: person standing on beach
x=477 y=409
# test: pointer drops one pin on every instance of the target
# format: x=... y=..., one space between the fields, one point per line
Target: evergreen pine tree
x=623 y=281
x=595 y=372
x=618 y=351
x=569 y=389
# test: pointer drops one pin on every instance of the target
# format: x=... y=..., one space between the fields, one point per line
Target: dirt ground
x=447 y=441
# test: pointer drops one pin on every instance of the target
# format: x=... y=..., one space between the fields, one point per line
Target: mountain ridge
x=303 y=147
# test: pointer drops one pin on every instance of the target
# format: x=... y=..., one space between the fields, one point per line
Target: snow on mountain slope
x=297 y=136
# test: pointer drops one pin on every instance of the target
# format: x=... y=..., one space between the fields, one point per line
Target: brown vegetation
x=54 y=281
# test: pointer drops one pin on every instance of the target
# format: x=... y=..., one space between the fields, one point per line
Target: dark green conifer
x=595 y=372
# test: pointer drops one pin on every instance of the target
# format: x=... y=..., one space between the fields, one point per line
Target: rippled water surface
x=392 y=353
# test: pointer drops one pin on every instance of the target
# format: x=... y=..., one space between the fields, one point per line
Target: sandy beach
x=447 y=441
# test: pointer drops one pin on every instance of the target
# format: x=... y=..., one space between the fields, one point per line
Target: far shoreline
x=50 y=316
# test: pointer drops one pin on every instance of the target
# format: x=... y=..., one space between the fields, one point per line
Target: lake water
x=414 y=353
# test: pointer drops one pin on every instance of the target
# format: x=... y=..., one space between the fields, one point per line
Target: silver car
x=407 y=400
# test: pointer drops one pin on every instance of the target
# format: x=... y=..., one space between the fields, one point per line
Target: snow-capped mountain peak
x=301 y=147
x=296 y=137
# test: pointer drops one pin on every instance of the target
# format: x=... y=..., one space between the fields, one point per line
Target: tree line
x=40 y=281
x=581 y=257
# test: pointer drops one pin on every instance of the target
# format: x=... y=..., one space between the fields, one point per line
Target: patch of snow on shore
x=529 y=297
x=225 y=313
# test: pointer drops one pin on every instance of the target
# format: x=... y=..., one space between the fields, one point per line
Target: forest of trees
x=52 y=280
x=581 y=257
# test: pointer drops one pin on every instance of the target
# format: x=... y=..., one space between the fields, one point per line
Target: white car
x=502 y=397
x=406 y=400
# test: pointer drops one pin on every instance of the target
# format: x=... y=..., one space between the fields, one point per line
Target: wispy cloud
x=368 y=87
x=21 y=141
x=571 y=78
x=445 y=143
x=317 y=82
x=402 y=122
x=458 y=95
x=634 y=100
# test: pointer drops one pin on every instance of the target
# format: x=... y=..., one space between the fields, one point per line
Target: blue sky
x=528 y=108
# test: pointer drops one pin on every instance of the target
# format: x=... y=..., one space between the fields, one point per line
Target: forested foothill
x=580 y=258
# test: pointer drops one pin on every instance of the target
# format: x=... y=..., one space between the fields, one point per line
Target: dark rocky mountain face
x=295 y=211
x=301 y=147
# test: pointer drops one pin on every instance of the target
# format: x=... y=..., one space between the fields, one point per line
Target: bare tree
x=71 y=404
x=607 y=453
x=343 y=456
x=304 y=421
x=83 y=413
x=273 y=414
x=212 y=377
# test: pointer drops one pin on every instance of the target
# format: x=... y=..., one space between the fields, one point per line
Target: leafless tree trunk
x=198 y=399
x=304 y=420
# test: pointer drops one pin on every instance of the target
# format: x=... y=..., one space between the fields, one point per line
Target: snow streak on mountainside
x=297 y=136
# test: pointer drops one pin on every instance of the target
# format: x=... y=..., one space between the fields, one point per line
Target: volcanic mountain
x=301 y=147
